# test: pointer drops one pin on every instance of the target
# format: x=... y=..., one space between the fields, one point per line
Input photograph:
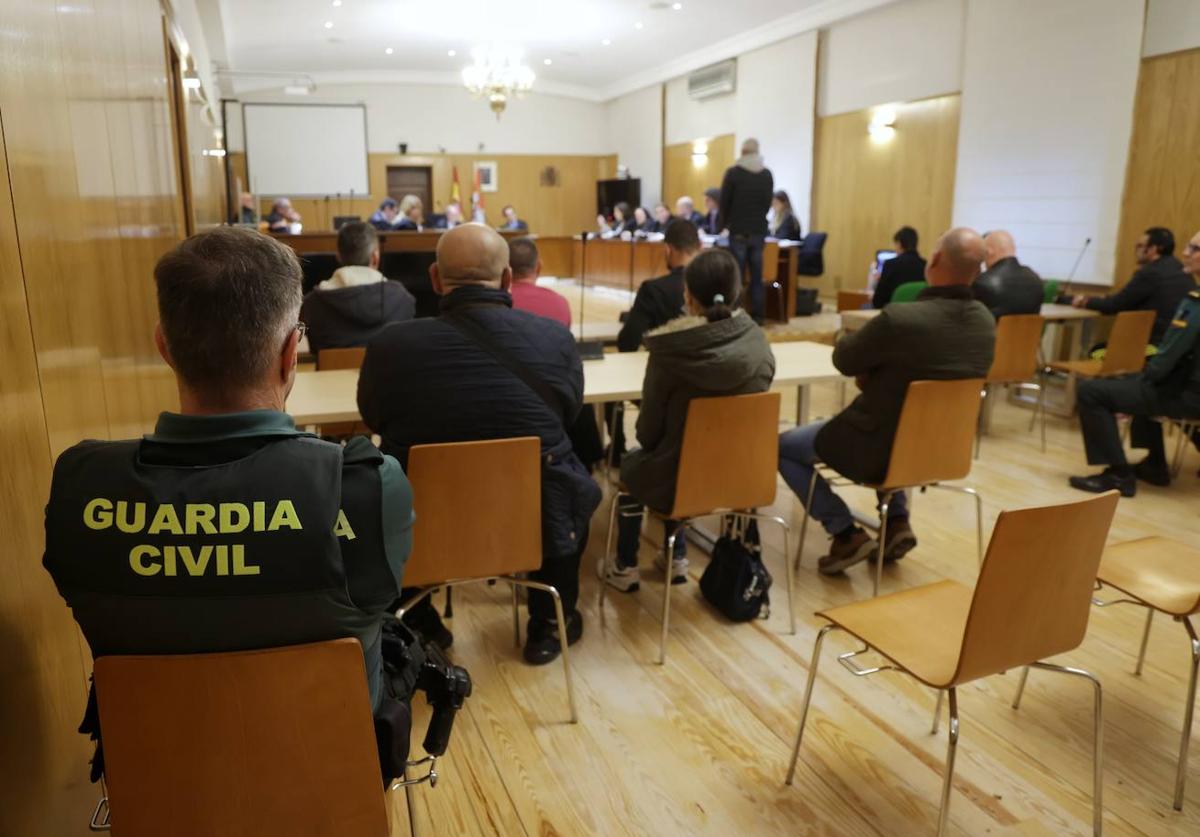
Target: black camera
x=446 y=686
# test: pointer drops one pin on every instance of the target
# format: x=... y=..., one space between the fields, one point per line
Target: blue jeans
x=797 y=453
x=748 y=250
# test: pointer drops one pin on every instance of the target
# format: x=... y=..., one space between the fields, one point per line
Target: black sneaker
x=542 y=646
x=1106 y=480
x=424 y=620
x=1153 y=473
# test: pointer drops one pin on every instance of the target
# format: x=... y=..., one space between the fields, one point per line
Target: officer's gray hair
x=356 y=242
x=227 y=299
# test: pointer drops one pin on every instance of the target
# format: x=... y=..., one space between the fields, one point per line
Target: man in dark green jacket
x=1169 y=387
x=944 y=335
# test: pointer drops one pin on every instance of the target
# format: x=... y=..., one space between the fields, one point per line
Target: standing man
x=907 y=266
x=712 y=212
x=944 y=335
x=1159 y=284
x=452 y=379
x=746 y=193
x=384 y=218
x=1007 y=286
x=1168 y=386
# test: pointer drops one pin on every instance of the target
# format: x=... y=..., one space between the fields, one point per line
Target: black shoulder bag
x=735 y=581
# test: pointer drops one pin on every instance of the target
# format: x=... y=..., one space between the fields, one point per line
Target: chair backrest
x=730 y=454
x=908 y=292
x=1126 y=351
x=341 y=358
x=1017 y=339
x=935 y=437
x=811 y=261
x=852 y=300
x=249 y=743
x=478 y=508
x=1034 y=592
x=1049 y=290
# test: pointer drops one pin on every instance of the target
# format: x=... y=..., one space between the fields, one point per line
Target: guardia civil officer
x=1168 y=387
x=227 y=528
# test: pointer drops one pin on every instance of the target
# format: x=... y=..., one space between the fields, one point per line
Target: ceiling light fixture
x=606 y=42
x=337 y=3
x=389 y=51
x=497 y=74
x=329 y=24
x=676 y=6
x=547 y=61
x=637 y=25
x=452 y=53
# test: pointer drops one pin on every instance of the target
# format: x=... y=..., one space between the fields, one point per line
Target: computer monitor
x=882 y=256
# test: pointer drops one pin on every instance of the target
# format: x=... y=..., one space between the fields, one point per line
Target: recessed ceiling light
x=389 y=50
x=637 y=25
x=547 y=61
x=606 y=42
x=676 y=6
x=337 y=3
x=329 y=24
x=452 y=53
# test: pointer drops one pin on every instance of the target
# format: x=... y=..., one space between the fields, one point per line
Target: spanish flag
x=455 y=194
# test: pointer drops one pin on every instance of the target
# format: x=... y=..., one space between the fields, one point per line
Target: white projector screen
x=306 y=150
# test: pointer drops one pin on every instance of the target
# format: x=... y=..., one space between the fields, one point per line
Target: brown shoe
x=900 y=539
x=846 y=550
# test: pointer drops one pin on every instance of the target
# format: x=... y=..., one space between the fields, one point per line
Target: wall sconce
x=883 y=121
x=191 y=80
x=700 y=154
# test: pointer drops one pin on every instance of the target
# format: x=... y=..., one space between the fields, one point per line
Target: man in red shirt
x=526 y=295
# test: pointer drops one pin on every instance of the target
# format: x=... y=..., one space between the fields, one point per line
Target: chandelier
x=497 y=74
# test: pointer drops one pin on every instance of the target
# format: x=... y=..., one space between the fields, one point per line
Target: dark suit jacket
x=944 y=335
x=1159 y=287
x=1009 y=287
x=789 y=229
x=711 y=222
x=905 y=268
x=658 y=301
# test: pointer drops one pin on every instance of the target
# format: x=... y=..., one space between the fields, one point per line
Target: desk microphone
x=582 y=277
x=1087 y=242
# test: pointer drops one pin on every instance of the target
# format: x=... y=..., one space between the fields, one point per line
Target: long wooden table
x=399 y=241
x=1051 y=312
x=332 y=396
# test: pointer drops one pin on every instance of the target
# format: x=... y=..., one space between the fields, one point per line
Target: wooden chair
x=478 y=512
x=1031 y=602
x=727 y=466
x=1161 y=575
x=852 y=300
x=1125 y=353
x=1018 y=337
x=933 y=443
x=244 y=744
x=352 y=358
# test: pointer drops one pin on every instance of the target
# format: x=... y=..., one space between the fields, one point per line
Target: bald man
x=482 y=370
x=944 y=335
x=1007 y=286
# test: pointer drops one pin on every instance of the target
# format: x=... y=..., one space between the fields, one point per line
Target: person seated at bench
x=1007 y=286
x=907 y=266
x=526 y=266
x=1169 y=386
x=717 y=349
x=945 y=335
x=384 y=218
x=357 y=302
x=228 y=529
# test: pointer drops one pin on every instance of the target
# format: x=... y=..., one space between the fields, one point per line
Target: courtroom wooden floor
x=700 y=745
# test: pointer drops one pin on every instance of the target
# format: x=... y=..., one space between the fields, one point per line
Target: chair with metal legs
x=1018 y=337
x=1160 y=575
x=727 y=466
x=468 y=531
x=1031 y=602
x=933 y=443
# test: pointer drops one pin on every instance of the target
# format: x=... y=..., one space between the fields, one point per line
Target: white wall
x=433 y=117
x=1171 y=26
x=1045 y=127
x=775 y=104
x=634 y=132
x=688 y=119
x=898 y=53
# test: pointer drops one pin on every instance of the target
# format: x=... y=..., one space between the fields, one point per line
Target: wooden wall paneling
x=563 y=209
x=682 y=177
x=1162 y=180
x=43 y=762
x=863 y=191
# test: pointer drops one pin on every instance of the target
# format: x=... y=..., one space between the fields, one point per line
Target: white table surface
x=1052 y=312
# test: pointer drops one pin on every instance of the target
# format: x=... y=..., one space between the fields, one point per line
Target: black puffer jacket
x=425 y=382
x=345 y=317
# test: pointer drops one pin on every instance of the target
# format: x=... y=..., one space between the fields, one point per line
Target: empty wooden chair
x=1031 y=602
x=246 y=744
x=1124 y=354
x=727 y=466
x=478 y=509
x=1018 y=337
x=933 y=444
x=1163 y=576
x=330 y=359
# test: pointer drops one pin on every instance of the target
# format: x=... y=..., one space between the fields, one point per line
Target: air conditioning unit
x=715 y=80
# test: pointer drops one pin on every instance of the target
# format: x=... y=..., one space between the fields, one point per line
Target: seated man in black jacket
x=442 y=380
x=1007 y=286
x=357 y=302
x=908 y=266
x=1158 y=285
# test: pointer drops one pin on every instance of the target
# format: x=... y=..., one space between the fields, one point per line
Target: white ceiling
x=291 y=36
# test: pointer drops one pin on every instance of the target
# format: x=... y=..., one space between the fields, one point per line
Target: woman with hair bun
x=714 y=349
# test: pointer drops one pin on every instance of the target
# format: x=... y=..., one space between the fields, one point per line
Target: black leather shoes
x=1148 y=472
x=542 y=644
x=1106 y=481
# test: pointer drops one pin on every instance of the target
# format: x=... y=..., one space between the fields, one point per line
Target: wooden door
x=411 y=180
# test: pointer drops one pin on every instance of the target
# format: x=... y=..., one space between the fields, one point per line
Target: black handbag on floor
x=735 y=581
